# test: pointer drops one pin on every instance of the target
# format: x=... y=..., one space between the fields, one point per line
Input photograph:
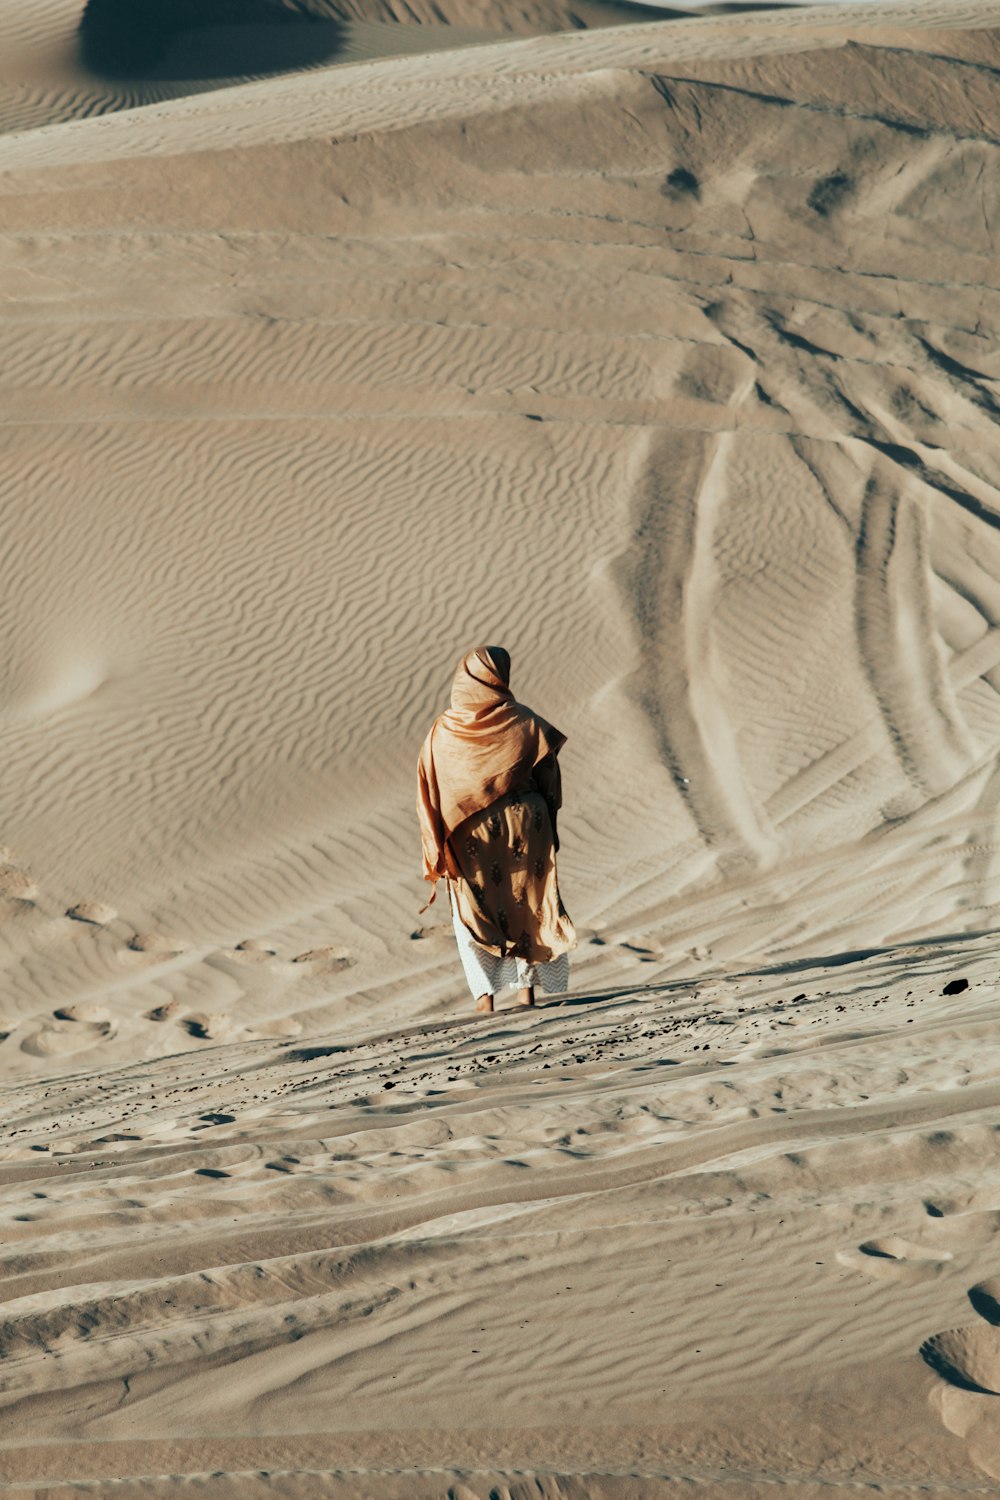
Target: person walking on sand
x=488 y=792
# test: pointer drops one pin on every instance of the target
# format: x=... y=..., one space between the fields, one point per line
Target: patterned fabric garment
x=507 y=893
x=486 y=974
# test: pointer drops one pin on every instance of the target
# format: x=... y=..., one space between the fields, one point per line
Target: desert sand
x=663 y=351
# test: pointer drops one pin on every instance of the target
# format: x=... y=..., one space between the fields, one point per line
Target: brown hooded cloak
x=488 y=791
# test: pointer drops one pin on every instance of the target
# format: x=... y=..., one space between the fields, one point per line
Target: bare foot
x=484 y=1004
x=525 y=997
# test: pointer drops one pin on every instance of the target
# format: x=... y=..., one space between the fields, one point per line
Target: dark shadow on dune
x=310 y=1054
x=617 y=993
x=201 y=39
x=739 y=6
x=945 y=1366
x=821 y=961
x=902 y=951
x=986 y=1304
x=191 y=40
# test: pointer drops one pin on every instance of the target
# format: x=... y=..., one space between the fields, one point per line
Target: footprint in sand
x=145 y=949
x=969 y=1357
x=170 y=1010
x=157 y=943
x=636 y=945
x=17 y=887
x=73 y=1028
x=895 y=1259
x=971 y=1222
x=212 y=1026
x=638 y=950
x=95 y=913
x=437 y=934
x=252 y=951
x=326 y=960
x=86 y=1011
x=282 y=1026
x=967 y=1362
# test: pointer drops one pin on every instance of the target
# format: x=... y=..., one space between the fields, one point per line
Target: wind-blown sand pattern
x=666 y=354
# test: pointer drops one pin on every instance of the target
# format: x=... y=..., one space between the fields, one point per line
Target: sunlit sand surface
x=664 y=352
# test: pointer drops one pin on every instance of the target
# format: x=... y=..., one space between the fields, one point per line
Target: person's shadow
x=202 y=39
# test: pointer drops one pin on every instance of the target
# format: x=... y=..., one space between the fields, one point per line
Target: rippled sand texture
x=692 y=1241
x=74 y=59
x=663 y=354
x=666 y=355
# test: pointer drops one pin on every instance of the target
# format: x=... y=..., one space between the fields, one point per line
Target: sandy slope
x=686 y=1242
x=709 y=374
x=66 y=60
x=665 y=355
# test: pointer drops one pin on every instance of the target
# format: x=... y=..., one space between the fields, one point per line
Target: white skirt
x=487 y=974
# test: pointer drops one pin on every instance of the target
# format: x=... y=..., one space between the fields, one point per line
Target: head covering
x=475 y=752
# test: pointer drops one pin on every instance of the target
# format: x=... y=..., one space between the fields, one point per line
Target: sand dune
x=664 y=353
x=464 y=1253
x=66 y=59
x=749 y=432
